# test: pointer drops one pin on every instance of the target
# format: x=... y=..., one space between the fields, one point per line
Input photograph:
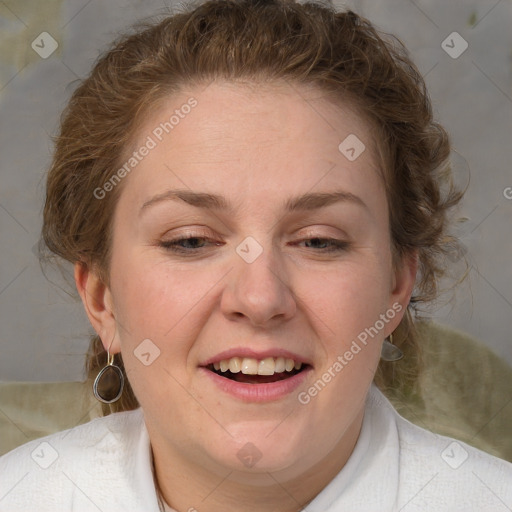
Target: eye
x=327 y=244
x=191 y=244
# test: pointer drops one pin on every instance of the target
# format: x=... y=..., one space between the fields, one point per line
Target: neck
x=189 y=487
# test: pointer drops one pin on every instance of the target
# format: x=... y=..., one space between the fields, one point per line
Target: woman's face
x=271 y=271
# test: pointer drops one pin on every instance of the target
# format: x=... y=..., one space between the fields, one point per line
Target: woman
x=250 y=192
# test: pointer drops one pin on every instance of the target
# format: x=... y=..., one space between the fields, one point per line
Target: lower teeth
x=256 y=379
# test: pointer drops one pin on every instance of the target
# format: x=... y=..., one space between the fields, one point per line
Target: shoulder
x=83 y=464
x=441 y=473
x=121 y=426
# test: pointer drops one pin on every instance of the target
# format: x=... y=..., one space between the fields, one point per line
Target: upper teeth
x=250 y=366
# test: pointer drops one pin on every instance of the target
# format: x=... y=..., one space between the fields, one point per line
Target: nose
x=260 y=291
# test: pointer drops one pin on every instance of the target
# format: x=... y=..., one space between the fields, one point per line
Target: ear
x=97 y=300
x=402 y=286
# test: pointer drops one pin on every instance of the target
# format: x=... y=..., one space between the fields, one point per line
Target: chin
x=260 y=451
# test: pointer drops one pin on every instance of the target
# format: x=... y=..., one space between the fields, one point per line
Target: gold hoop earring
x=109 y=383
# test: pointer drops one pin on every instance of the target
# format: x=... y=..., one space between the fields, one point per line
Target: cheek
x=347 y=311
x=144 y=300
x=154 y=298
x=353 y=295
x=154 y=302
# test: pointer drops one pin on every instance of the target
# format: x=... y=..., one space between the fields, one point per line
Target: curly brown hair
x=252 y=40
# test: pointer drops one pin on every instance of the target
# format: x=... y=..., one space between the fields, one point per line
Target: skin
x=257 y=146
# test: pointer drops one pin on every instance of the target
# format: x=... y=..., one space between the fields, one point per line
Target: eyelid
x=317 y=233
x=199 y=231
x=203 y=231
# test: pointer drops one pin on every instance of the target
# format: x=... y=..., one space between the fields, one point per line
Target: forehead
x=254 y=112
x=254 y=137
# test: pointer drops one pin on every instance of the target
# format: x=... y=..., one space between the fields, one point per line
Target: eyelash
x=173 y=245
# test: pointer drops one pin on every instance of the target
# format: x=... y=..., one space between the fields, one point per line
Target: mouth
x=248 y=370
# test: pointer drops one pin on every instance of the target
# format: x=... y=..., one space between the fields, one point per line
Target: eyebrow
x=305 y=202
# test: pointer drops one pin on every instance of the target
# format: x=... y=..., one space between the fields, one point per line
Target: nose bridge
x=259 y=288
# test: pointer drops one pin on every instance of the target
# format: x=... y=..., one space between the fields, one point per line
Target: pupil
x=192 y=241
x=314 y=241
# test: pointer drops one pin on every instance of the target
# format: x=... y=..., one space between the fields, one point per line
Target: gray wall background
x=44 y=331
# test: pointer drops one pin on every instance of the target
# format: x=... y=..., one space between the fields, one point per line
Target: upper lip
x=255 y=354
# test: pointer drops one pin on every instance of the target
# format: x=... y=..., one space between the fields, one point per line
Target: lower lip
x=267 y=392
